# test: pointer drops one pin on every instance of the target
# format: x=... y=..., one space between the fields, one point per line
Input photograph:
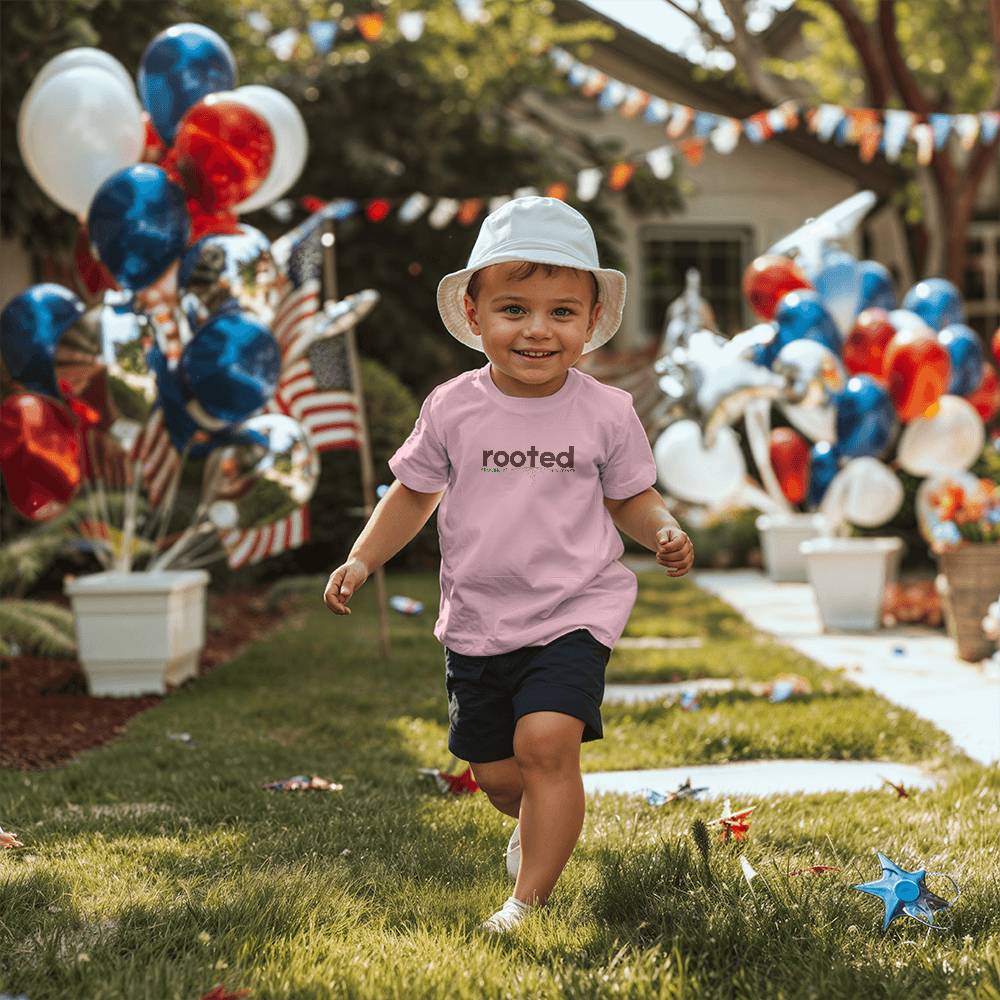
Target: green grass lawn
x=156 y=870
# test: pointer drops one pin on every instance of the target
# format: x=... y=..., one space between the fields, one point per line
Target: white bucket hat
x=544 y=231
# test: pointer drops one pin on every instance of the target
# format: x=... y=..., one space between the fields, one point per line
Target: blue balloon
x=839 y=285
x=179 y=67
x=936 y=301
x=180 y=427
x=877 y=289
x=139 y=224
x=966 y=353
x=866 y=419
x=823 y=465
x=802 y=314
x=231 y=369
x=30 y=327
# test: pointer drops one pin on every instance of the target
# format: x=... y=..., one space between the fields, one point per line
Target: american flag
x=244 y=548
x=316 y=390
x=159 y=459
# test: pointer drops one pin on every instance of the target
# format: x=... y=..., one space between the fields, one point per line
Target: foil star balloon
x=905 y=892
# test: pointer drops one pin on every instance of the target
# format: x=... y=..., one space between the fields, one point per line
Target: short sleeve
x=421 y=461
x=630 y=468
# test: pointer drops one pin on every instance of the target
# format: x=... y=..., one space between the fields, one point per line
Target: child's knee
x=547 y=752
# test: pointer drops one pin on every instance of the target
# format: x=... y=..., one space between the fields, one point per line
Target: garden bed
x=47 y=716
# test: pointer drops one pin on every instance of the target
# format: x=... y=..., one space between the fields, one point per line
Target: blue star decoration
x=904 y=892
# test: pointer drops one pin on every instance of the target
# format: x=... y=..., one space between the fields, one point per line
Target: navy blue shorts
x=488 y=694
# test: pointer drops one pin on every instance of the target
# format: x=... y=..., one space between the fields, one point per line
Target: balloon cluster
x=860 y=378
x=194 y=308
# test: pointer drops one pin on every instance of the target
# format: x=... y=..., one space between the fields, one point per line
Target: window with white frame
x=720 y=254
x=982 y=277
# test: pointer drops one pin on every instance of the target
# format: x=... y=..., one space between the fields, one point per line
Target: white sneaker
x=513 y=854
x=507 y=917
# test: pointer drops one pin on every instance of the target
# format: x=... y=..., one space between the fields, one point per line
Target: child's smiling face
x=553 y=313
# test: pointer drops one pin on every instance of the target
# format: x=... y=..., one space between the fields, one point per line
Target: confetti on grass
x=815 y=870
x=8 y=839
x=683 y=791
x=303 y=783
x=733 y=824
x=451 y=784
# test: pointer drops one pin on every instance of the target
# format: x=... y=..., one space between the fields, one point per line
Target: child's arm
x=645 y=518
x=396 y=519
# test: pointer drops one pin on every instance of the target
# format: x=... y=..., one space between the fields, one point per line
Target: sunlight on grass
x=158 y=870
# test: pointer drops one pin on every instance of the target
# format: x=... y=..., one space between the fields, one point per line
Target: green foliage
x=35 y=628
x=25 y=559
x=729 y=539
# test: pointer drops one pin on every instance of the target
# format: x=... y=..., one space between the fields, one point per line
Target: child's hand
x=344 y=580
x=674 y=550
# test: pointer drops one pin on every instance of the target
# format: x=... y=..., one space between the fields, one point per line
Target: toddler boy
x=534 y=464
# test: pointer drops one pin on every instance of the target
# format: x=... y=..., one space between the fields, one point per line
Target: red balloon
x=789 y=453
x=95 y=276
x=986 y=399
x=995 y=344
x=864 y=348
x=222 y=152
x=39 y=454
x=210 y=223
x=917 y=369
x=767 y=279
x=153 y=147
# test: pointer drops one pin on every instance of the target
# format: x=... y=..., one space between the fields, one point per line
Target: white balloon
x=818 y=423
x=865 y=492
x=291 y=142
x=83 y=56
x=905 y=319
x=70 y=59
x=79 y=127
x=692 y=472
x=950 y=441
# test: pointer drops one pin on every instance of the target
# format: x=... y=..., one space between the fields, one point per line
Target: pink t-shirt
x=528 y=550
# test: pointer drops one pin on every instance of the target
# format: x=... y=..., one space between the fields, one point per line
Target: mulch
x=47 y=716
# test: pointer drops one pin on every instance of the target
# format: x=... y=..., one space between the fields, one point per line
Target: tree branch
x=878 y=80
x=905 y=82
x=995 y=21
x=751 y=55
x=701 y=22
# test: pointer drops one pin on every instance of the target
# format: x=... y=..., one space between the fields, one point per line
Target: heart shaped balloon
x=39 y=454
x=693 y=472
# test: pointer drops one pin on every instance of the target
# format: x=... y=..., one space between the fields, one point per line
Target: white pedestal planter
x=780 y=535
x=848 y=577
x=138 y=632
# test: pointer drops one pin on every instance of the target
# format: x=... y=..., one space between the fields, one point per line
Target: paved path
x=912 y=666
x=753 y=778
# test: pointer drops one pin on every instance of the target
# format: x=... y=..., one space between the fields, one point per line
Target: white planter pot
x=138 y=632
x=780 y=535
x=848 y=577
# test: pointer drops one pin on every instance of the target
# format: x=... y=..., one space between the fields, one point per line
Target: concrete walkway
x=754 y=778
x=912 y=666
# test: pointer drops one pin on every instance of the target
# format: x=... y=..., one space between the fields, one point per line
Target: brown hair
x=526 y=269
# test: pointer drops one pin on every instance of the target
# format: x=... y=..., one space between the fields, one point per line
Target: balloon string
x=165 y=510
x=102 y=556
x=101 y=498
x=175 y=552
x=200 y=553
x=757 y=422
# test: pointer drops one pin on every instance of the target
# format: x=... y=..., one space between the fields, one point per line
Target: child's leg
x=547 y=752
x=501 y=781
